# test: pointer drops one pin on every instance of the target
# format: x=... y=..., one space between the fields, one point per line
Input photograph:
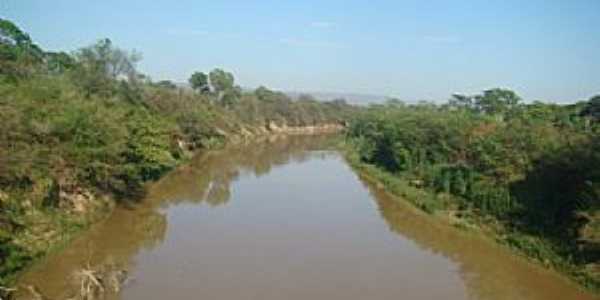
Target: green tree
x=59 y=62
x=19 y=56
x=99 y=67
x=220 y=80
x=231 y=96
x=222 y=83
x=461 y=102
x=496 y=101
x=266 y=95
x=592 y=109
x=199 y=82
x=13 y=37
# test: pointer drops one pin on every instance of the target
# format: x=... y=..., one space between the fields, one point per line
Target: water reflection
x=208 y=177
x=129 y=230
x=489 y=271
x=343 y=235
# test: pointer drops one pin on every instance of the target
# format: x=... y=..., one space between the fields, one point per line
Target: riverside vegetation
x=528 y=174
x=84 y=131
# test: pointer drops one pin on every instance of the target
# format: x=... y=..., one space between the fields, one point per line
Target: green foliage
x=59 y=62
x=560 y=183
x=264 y=105
x=14 y=42
x=100 y=65
x=496 y=101
x=12 y=258
x=149 y=146
x=19 y=56
x=535 y=167
x=220 y=80
x=222 y=84
x=199 y=82
x=592 y=109
x=89 y=124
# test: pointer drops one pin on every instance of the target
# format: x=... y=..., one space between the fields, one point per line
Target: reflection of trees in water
x=488 y=271
x=218 y=190
x=151 y=229
x=208 y=177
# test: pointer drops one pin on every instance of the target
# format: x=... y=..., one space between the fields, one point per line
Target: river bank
x=205 y=176
x=83 y=132
x=522 y=244
x=44 y=232
x=258 y=208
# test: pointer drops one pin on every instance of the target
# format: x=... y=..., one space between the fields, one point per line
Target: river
x=289 y=219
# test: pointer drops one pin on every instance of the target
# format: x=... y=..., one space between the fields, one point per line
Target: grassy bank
x=85 y=131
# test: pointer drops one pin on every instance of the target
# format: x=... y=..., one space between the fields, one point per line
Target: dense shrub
x=535 y=167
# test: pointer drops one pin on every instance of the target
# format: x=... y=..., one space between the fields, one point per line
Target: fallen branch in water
x=90 y=283
x=95 y=282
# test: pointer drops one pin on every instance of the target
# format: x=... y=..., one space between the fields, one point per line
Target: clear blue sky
x=543 y=49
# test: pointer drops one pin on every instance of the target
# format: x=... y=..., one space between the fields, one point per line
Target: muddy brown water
x=289 y=219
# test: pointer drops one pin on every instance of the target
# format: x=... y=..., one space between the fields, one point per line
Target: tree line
x=531 y=168
x=89 y=125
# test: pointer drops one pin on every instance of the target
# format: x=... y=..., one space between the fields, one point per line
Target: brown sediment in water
x=281 y=219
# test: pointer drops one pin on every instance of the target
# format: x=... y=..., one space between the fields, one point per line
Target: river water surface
x=289 y=219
